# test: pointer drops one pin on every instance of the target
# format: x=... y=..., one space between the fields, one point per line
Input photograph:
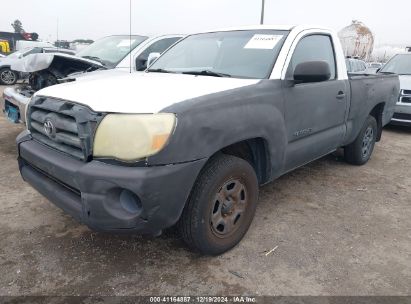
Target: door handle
x=341 y=95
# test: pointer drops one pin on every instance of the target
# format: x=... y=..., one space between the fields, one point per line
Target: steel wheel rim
x=228 y=210
x=7 y=77
x=367 y=142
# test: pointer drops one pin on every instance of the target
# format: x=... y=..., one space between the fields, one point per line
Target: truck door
x=314 y=112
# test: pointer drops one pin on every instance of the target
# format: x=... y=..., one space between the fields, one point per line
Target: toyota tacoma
x=188 y=142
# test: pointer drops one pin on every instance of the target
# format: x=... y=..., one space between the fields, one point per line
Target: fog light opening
x=130 y=202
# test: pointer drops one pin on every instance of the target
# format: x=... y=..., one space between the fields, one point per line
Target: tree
x=18 y=26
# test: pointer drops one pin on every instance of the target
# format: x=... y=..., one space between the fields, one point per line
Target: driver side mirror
x=312 y=71
x=151 y=58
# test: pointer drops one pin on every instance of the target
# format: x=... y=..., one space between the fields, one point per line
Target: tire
x=8 y=77
x=359 y=152
x=210 y=226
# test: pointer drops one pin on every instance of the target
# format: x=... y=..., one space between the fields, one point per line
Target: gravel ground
x=340 y=230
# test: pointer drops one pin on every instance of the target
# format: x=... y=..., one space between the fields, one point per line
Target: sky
x=388 y=20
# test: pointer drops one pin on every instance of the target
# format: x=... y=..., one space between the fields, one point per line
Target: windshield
x=242 y=54
x=111 y=50
x=399 y=64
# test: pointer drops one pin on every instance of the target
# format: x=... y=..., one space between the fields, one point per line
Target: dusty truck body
x=106 y=56
x=220 y=114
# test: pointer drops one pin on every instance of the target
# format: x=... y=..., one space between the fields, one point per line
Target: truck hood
x=405 y=82
x=140 y=92
x=37 y=62
x=99 y=74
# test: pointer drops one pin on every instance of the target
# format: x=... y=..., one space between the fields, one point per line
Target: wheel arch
x=254 y=151
x=377 y=112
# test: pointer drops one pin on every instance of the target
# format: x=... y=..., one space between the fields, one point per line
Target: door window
x=157 y=47
x=313 y=48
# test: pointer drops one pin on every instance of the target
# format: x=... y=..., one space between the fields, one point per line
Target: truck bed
x=368 y=91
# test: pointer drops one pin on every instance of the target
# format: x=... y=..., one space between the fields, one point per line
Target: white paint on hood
x=99 y=74
x=140 y=92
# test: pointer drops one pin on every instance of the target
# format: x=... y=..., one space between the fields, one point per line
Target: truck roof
x=280 y=27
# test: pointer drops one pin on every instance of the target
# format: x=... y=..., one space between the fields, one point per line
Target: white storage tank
x=357 y=40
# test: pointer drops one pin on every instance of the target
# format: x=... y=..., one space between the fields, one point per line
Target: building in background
x=357 y=40
x=62 y=44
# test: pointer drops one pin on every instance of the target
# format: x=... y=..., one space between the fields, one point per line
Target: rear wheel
x=221 y=206
x=360 y=151
x=8 y=77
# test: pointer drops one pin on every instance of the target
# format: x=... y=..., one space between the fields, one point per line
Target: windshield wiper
x=160 y=71
x=207 y=73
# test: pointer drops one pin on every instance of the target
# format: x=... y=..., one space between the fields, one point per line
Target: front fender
x=210 y=123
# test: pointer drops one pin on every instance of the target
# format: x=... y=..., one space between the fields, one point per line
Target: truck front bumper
x=108 y=197
x=402 y=115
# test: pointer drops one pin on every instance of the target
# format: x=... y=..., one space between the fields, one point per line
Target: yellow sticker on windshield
x=265 y=42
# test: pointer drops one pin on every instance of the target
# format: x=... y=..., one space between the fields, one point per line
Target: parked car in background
x=8 y=76
x=190 y=140
x=401 y=64
x=104 y=57
x=355 y=65
x=28 y=44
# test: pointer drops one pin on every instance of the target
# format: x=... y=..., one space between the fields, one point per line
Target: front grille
x=64 y=126
x=406 y=99
x=403 y=116
x=406 y=92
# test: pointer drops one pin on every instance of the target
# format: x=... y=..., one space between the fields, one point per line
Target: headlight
x=131 y=137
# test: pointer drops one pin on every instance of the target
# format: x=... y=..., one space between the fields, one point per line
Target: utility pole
x=130 y=40
x=262 y=11
x=57 y=29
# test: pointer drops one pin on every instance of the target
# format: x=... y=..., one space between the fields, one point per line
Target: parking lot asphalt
x=337 y=229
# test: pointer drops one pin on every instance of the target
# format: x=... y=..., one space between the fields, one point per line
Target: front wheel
x=221 y=206
x=360 y=151
x=8 y=77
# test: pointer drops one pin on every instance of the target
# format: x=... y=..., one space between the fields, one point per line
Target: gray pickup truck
x=220 y=113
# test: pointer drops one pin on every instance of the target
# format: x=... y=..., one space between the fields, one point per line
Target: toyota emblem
x=49 y=128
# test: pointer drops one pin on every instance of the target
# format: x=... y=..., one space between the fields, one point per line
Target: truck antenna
x=57 y=31
x=130 y=39
x=262 y=12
